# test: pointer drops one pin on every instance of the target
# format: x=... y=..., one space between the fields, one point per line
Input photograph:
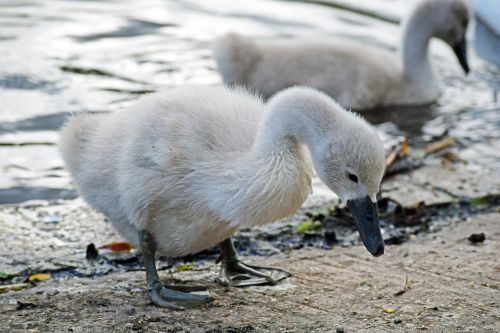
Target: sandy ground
x=453 y=287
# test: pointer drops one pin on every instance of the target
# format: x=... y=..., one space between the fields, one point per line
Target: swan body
x=357 y=76
x=195 y=164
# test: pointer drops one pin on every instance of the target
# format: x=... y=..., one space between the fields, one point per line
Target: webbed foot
x=177 y=300
x=235 y=273
x=239 y=274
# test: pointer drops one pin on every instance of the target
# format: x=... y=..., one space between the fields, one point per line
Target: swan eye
x=353 y=177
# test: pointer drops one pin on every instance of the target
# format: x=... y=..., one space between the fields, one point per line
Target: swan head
x=351 y=161
x=346 y=151
x=450 y=19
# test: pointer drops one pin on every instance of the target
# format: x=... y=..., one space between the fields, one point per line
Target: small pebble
x=477 y=238
x=92 y=252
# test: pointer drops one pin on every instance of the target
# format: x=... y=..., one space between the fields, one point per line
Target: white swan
x=356 y=75
x=182 y=170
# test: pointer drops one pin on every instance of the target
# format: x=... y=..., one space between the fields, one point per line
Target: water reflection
x=16 y=194
x=409 y=119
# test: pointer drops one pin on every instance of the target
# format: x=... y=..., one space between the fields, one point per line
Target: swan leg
x=159 y=295
x=234 y=273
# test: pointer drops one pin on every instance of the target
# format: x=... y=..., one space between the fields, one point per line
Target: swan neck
x=293 y=121
x=417 y=33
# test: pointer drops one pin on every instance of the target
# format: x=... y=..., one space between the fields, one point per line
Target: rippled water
x=60 y=56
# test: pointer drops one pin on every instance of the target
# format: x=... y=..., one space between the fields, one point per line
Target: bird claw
x=238 y=274
x=176 y=300
x=185 y=287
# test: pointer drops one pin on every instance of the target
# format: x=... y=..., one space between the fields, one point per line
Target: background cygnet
x=356 y=75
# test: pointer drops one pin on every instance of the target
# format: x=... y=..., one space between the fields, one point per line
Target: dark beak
x=365 y=214
x=460 y=49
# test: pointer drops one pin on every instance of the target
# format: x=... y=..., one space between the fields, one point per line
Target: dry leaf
x=185 y=267
x=118 y=246
x=304 y=226
x=405 y=147
x=38 y=277
x=13 y=287
x=402 y=150
x=389 y=310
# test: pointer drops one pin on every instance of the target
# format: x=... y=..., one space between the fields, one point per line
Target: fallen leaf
x=478 y=201
x=388 y=310
x=405 y=147
x=303 y=226
x=185 y=267
x=400 y=155
x=38 y=277
x=308 y=225
x=118 y=246
x=13 y=287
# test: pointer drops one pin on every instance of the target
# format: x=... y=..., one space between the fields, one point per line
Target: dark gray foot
x=234 y=273
x=187 y=288
x=159 y=295
x=177 y=300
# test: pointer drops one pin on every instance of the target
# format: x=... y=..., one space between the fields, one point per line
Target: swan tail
x=235 y=56
x=74 y=137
